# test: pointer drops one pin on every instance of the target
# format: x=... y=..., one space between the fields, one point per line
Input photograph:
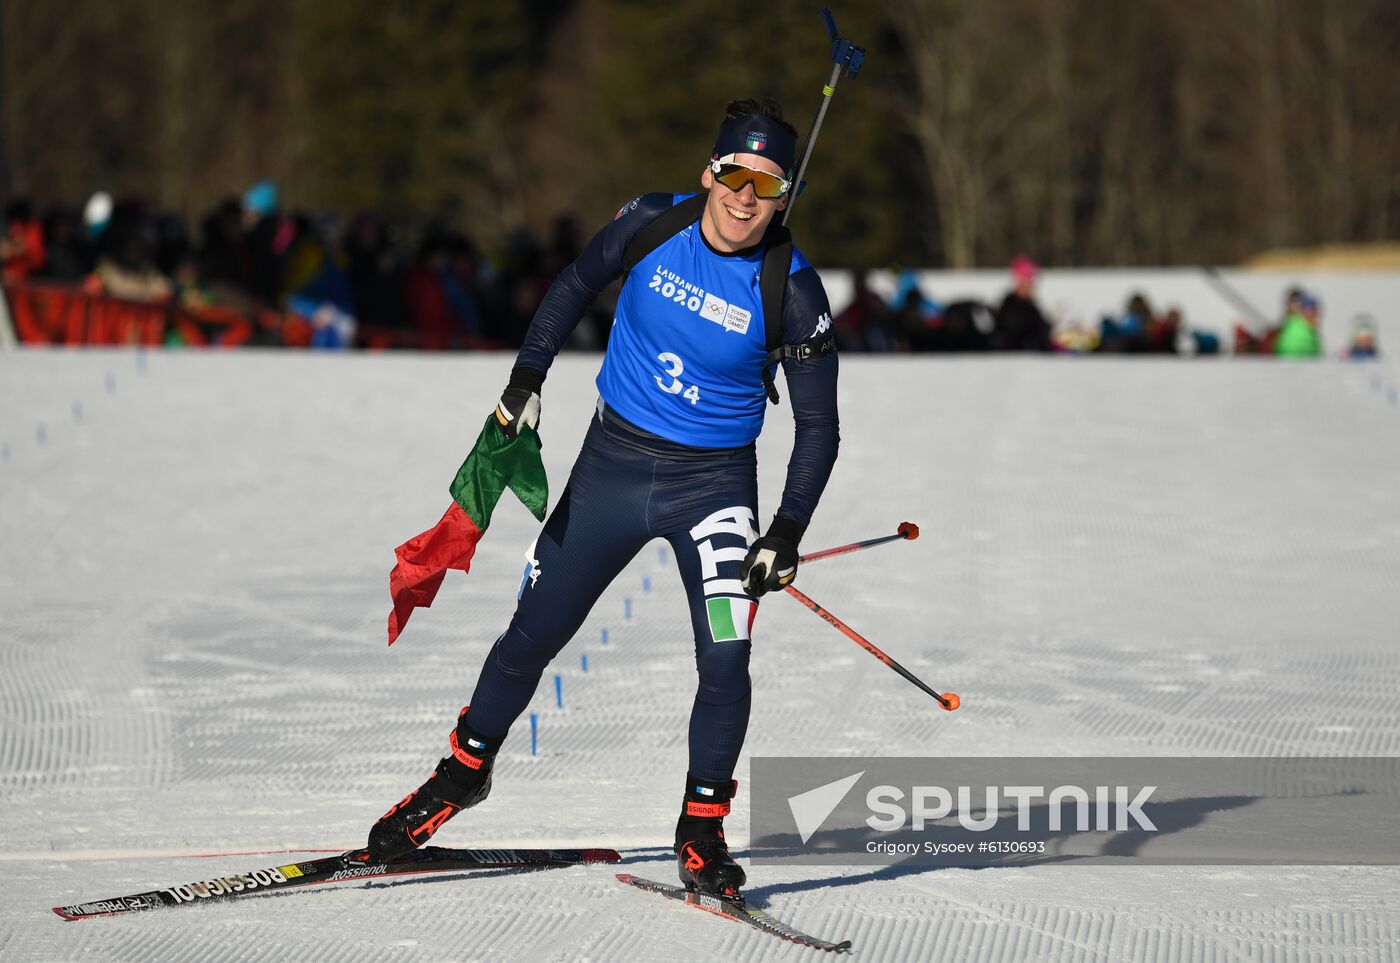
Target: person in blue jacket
x=669 y=454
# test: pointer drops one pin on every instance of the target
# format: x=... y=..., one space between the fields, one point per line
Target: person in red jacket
x=22 y=247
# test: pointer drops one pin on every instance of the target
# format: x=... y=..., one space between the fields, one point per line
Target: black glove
x=772 y=560
x=520 y=402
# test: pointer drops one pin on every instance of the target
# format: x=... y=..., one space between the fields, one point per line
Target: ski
x=356 y=864
x=735 y=909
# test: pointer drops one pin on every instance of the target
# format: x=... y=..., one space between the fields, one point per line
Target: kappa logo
x=823 y=323
x=532 y=570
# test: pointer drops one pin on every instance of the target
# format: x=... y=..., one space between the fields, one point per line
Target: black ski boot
x=702 y=855
x=459 y=782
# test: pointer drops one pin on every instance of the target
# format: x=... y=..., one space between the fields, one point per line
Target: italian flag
x=495 y=464
x=730 y=618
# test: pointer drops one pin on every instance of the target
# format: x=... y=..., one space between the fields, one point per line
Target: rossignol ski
x=356 y=864
x=736 y=909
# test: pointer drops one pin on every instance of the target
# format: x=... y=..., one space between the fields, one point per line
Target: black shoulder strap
x=772 y=285
x=667 y=224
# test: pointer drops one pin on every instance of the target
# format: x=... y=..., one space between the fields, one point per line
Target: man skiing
x=670 y=454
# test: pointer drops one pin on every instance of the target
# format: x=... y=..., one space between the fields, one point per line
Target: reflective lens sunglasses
x=734 y=176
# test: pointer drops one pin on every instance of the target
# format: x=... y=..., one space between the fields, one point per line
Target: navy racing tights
x=628 y=487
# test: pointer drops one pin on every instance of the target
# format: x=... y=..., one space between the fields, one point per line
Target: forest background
x=1158 y=132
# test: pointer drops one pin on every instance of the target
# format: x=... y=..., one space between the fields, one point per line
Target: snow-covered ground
x=1119 y=557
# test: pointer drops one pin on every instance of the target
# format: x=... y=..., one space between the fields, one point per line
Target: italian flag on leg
x=496 y=463
x=731 y=618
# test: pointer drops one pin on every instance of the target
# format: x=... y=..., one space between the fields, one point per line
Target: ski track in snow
x=1118 y=557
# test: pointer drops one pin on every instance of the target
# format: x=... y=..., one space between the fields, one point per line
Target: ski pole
x=906 y=530
x=948 y=700
x=846 y=56
x=1233 y=296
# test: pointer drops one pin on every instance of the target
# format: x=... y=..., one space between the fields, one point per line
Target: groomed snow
x=1118 y=557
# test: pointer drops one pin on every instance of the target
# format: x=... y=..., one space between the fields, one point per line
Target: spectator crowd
x=913 y=321
x=349 y=283
x=328 y=282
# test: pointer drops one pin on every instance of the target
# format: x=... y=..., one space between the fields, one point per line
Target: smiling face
x=735 y=220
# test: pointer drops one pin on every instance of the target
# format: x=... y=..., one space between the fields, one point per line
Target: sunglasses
x=765 y=184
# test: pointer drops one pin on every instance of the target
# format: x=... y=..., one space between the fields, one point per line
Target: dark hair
x=763 y=107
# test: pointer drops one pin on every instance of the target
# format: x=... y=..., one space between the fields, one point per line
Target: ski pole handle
x=845 y=56
x=948 y=700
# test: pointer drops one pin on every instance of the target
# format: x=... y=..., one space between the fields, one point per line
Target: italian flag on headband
x=495 y=464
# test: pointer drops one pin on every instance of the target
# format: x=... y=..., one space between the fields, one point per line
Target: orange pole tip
x=909 y=530
x=950 y=701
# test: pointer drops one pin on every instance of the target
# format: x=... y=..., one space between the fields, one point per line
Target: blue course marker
x=140 y=359
x=583 y=659
x=605 y=631
x=661 y=554
x=627 y=609
x=111 y=383
x=77 y=411
x=5 y=456
x=559 y=691
x=646 y=583
x=41 y=434
x=534 y=733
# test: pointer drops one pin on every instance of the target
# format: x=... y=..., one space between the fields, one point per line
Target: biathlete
x=670 y=454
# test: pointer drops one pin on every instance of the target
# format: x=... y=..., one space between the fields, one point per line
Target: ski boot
x=459 y=782
x=702 y=855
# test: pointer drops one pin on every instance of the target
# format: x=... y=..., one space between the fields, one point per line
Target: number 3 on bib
x=674 y=367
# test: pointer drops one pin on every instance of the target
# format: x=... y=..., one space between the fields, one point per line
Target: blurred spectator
x=1128 y=332
x=864 y=324
x=425 y=294
x=188 y=289
x=966 y=326
x=462 y=285
x=224 y=262
x=1163 y=334
x=1020 y=324
x=376 y=276
x=1248 y=342
x=1363 y=339
x=917 y=318
x=1070 y=332
x=127 y=268
x=516 y=291
x=1190 y=343
x=269 y=236
x=1299 y=337
x=172 y=242
x=22 y=246
x=326 y=301
x=69 y=257
x=315 y=241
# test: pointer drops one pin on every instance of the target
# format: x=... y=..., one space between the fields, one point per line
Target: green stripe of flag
x=723 y=624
